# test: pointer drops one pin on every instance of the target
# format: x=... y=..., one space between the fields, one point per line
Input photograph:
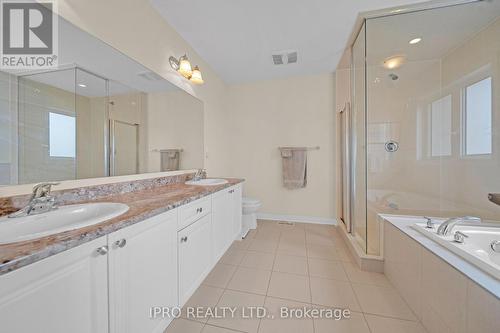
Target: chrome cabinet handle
x=103 y=250
x=184 y=239
x=199 y=210
x=121 y=243
x=231 y=191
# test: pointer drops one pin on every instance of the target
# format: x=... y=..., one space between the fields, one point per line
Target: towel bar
x=299 y=148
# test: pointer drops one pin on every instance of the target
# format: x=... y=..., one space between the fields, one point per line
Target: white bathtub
x=476 y=249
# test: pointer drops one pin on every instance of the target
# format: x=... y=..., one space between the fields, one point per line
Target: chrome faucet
x=447 y=226
x=200 y=174
x=40 y=202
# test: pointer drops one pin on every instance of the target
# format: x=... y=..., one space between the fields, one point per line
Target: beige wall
x=136 y=29
x=286 y=112
x=175 y=121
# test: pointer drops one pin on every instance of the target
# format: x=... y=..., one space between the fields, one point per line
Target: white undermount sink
x=64 y=218
x=207 y=182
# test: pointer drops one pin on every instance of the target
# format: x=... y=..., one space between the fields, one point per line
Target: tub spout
x=447 y=226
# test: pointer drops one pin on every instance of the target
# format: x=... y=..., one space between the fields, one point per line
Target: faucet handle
x=43 y=189
x=459 y=237
x=430 y=224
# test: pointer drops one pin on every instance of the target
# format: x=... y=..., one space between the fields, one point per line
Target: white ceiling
x=238 y=37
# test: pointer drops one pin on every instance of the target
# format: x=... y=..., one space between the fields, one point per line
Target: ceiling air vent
x=284 y=57
x=150 y=76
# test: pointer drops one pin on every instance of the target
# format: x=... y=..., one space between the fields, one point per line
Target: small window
x=441 y=127
x=62 y=139
x=478 y=110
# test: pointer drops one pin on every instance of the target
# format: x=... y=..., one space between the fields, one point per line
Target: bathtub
x=476 y=249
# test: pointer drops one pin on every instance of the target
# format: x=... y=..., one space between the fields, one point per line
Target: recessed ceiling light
x=415 y=41
x=82 y=85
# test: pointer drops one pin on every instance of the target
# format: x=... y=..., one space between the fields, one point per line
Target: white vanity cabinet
x=67 y=292
x=195 y=256
x=236 y=202
x=142 y=274
x=110 y=284
x=226 y=219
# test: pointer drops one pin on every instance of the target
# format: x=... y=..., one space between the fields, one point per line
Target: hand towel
x=294 y=167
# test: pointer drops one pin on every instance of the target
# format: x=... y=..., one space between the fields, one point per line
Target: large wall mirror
x=99 y=114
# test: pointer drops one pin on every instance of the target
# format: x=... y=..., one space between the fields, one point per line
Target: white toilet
x=250 y=207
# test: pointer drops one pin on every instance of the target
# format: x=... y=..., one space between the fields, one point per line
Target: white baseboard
x=296 y=218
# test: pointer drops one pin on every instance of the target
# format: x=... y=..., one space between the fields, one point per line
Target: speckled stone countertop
x=143 y=203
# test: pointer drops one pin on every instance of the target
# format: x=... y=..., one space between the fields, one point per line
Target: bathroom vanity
x=107 y=277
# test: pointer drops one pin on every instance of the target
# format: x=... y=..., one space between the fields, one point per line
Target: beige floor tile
x=384 y=301
x=327 y=269
x=184 y=326
x=215 y=329
x=327 y=252
x=333 y=293
x=263 y=245
x=268 y=233
x=275 y=323
x=220 y=275
x=294 y=247
x=250 y=280
x=251 y=233
x=356 y=275
x=379 y=324
x=258 y=260
x=290 y=286
x=297 y=234
x=343 y=253
x=290 y=264
x=205 y=297
x=354 y=324
x=241 y=244
x=239 y=300
x=233 y=257
x=319 y=239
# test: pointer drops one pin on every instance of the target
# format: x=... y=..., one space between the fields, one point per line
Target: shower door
x=124 y=145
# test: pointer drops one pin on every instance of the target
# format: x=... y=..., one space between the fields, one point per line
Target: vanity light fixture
x=415 y=41
x=394 y=62
x=183 y=67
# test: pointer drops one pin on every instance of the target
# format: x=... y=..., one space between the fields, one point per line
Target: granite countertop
x=143 y=204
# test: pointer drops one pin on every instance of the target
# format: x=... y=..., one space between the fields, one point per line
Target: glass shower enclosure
x=424 y=131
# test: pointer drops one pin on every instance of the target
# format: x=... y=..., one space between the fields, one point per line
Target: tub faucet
x=447 y=226
x=40 y=202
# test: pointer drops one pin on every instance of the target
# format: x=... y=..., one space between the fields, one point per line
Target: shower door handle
x=391 y=146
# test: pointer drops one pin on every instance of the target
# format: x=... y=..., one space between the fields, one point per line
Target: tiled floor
x=299 y=265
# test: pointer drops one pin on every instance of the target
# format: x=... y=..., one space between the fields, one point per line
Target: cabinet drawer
x=193 y=211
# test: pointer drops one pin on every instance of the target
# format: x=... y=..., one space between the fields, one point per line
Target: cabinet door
x=143 y=274
x=222 y=223
x=237 y=211
x=195 y=256
x=66 y=292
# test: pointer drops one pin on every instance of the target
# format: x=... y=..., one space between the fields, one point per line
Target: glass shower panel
x=432 y=113
x=92 y=119
x=47 y=127
x=358 y=137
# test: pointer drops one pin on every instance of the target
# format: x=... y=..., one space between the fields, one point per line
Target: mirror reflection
x=99 y=114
